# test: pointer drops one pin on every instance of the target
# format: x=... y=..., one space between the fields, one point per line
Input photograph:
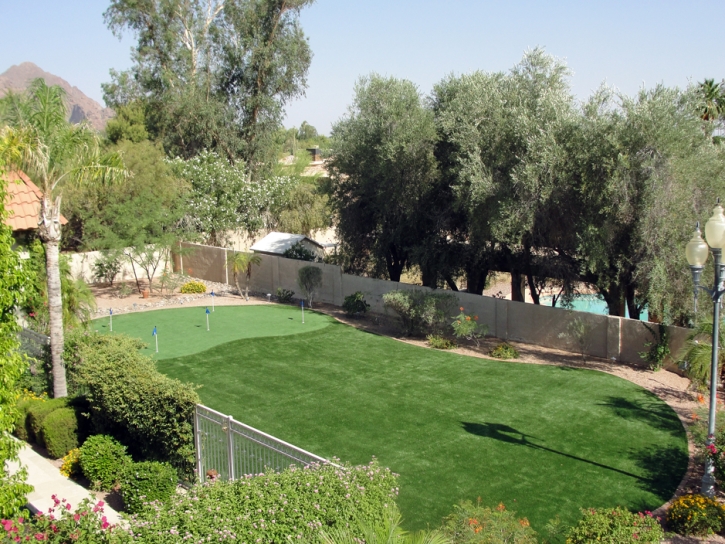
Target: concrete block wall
x=81 y=266
x=610 y=337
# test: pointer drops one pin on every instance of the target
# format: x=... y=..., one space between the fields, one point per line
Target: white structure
x=276 y=243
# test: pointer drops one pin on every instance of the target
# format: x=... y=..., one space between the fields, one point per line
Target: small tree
x=309 y=278
x=242 y=264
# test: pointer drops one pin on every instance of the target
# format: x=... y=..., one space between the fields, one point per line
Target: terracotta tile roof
x=23 y=201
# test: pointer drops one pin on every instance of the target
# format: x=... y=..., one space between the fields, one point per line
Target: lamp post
x=696 y=252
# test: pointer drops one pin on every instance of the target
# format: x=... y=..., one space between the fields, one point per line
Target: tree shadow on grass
x=664 y=467
x=647 y=409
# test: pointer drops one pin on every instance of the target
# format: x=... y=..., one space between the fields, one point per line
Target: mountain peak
x=80 y=107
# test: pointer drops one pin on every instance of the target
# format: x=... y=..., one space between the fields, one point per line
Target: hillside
x=80 y=107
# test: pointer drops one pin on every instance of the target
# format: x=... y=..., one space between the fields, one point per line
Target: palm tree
x=711 y=100
x=388 y=531
x=54 y=153
x=242 y=264
x=697 y=352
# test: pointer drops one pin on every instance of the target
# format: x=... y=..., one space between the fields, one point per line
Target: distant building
x=276 y=243
x=23 y=204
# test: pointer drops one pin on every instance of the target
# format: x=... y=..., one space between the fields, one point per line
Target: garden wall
x=614 y=338
x=81 y=266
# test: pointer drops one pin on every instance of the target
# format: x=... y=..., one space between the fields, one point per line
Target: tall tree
x=55 y=153
x=381 y=171
x=212 y=74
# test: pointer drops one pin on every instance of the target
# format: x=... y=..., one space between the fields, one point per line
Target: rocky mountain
x=80 y=107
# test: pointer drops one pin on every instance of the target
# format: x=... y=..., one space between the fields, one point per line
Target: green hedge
x=293 y=505
x=60 y=432
x=37 y=414
x=103 y=461
x=147 y=482
x=130 y=400
x=22 y=425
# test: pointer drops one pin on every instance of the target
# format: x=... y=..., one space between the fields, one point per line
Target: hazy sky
x=627 y=43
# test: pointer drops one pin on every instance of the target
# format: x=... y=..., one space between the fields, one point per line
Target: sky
x=627 y=44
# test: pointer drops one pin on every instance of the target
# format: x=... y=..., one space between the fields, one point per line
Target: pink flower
x=711 y=448
x=67 y=506
x=77 y=517
x=7 y=524
x=39 y=536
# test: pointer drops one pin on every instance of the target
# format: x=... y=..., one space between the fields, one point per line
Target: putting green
x=182 y=331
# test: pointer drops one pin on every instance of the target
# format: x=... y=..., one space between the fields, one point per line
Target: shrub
x=37 y=414
x=146 y=482
x=438 y=342
x=284 y=295
x=299 y=252
x=296 y=504
x=615 y=526
x=309 y=278
x=133 y=402
x=504 y=351
x=695 y=515
x=107 y=267
x=355 y=304
x=193 y=287
x=475 y=523
x=22 y=426
x=60 y=432
x=61 y=524
x=103 y=461
x=71 y=467
x=419 y=311
x=467 y=326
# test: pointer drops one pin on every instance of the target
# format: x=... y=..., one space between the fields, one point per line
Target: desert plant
x=170 y=282
x=696 y=353
x=107 y=267
x=504 y=351
x=467 y=326
x=658 y=348
x=615 y=526
x=471 y=522
x=60 y=432
x=146 y=482
x=124 y=290
x=193 y=287
x=696 y=515
x=284 y=295
x=103 y=461
x=309 y=278
x=438 y=342
x=420 y=312
x=242 y=264
x=355 y=304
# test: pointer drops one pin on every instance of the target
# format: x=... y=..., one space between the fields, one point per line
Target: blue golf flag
x=302 y=303
x=207 y=311
x=111 y=311
x=154 y=333
x=212 y=293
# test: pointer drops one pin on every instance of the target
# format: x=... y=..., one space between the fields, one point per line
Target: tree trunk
x=49 y=231
x=476 y=279
x=613 y=298
x=517 y=287
x=246 y=286
x=532 y=288
x=634 y=309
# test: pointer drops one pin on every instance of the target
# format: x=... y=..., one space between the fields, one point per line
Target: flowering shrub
x=504 y=351
x=274 y=507
x=471 y=522
x=60 y=525
x=467 y=326
x=145 y=482
x=193 y=287
x=615 y=526
x=695 y=515
x=71 y=464
x=103 y=461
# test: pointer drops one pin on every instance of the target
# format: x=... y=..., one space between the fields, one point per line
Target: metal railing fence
x=229 y=449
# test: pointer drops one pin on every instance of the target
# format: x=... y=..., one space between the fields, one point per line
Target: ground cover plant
x=453 y=427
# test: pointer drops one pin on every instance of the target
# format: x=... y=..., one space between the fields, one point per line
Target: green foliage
x=145 y=482
x=296 y=504
x=695 y=515
x=472 y=523
x=467 y=326
x=438 y=342
x=61 y=524
x=128 y=124
x=37 y=414
x=304 y=210
x=107 y=267
x=309 y=279
x=615 y=526
x=696 y=353
x=504 y=351
x=22 y=427
x=659 y=347
x=130 y=400
x=60 y=431
x=355 y=304
x=104 y=461
x=242 y=264
x=299 y=252
x=284 y=295
x=420 y=311
x=71 y=467
x=193 y=287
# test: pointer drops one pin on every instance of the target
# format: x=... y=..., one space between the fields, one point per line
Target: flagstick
x=157 y=342
x=207 y=322
x=212 y=301
x=303 y=312
x=110 y=318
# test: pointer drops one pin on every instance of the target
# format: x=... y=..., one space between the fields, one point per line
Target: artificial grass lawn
x=182 y=331
x=543 y=440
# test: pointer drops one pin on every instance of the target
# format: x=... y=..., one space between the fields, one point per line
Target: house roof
x=23 y=201
x=279 y=242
